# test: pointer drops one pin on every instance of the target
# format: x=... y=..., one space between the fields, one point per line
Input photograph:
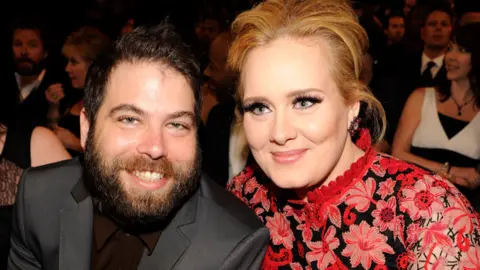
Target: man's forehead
x=144 y=80
x=30 y=33
x=438 y=15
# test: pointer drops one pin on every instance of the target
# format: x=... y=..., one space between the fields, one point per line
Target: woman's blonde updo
x=333 y=21
x=89 y=42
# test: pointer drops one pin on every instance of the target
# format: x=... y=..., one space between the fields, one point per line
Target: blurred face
x=437 y=30
x=396 y=29
x=128 y=27
x=295 y=118
x=409 y=5
x=28 y=51
x=200 y=32
x=76 y=67
x=458 y=62
x=470 y=17
x=216 y=71
x=211 y=29
x=142 y=152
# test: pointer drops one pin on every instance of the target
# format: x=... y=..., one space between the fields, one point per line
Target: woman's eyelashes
x=306 y=101
x=301 y=102
x=256 y=108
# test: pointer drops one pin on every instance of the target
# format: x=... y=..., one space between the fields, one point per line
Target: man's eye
x=178 y=126
x=128 y=120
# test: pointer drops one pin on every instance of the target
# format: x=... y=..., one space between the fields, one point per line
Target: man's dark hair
x=441 y=6
x=33 y=23
x=155 y=44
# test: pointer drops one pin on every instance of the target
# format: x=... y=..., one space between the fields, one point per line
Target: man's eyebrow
x=126 y=108
x=180 y=114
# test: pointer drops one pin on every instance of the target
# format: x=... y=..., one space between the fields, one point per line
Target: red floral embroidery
x=381 y=212
x=322 y=252
x=386 y=188
x=364 y=141
x=402 y=261
x=422 y=200
x=380 y=267
x=274 y=260
x=385 y=216
x=365 y=244
x=280 y=231
x=472 y=260
x=301 y=250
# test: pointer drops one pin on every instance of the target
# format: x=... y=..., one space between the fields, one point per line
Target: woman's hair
x=466 y=37
x=89 y=42
x=333 y=21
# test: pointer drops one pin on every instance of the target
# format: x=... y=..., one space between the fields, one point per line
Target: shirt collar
x=438 y=60
x=35 y=83
x=104 y=229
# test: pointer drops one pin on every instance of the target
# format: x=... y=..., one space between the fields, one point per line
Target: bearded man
x=137 y=200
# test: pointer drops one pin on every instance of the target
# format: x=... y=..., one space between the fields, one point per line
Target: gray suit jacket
x=53 y=217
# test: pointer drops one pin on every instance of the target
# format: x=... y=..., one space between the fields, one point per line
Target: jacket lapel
x=174 y=239
x=76 y=224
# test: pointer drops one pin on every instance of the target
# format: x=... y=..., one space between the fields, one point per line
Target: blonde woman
x=327 y=201
x=80 y=49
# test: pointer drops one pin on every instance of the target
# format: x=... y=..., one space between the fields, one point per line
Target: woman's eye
x=305 y=102
x=256 y=108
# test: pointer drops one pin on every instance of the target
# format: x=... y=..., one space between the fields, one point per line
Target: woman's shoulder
x=419 y=94
x=421 y=195
x=237 y=182
x=45 y=147
x=245 y=185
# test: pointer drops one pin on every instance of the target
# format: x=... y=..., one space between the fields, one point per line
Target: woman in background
x=328 y=202
x=440 y=128
x=21 y=147
x=81 y=49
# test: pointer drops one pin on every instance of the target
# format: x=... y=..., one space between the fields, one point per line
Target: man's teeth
x=148 y=176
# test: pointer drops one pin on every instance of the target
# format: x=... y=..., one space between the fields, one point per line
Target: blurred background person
x=66 y=101
x=440 y=127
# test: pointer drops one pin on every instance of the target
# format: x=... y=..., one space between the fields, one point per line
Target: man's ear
x=84 y=128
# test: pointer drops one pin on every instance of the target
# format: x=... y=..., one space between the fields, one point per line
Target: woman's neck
x=461 y=90
x=350 y=154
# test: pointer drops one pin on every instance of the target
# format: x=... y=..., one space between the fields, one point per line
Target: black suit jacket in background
x=33 y=110
x=53 y=219
x=411 y=74
x=217 y=142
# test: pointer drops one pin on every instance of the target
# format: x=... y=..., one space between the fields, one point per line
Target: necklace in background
x=461 y=106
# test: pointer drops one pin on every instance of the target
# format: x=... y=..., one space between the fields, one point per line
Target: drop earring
x=354 y=125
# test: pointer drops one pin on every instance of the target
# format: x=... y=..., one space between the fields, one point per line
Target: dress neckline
x=356 y=171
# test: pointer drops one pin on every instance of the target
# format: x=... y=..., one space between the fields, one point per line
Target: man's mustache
x=26 y=60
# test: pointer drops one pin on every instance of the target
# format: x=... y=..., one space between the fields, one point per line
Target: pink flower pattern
x=322 y=251
x=280 y=231
x=365 y=244
x=383 y=213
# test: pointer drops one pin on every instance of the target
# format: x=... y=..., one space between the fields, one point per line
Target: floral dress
x=383 y=213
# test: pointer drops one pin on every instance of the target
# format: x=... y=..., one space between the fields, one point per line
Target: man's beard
x=132 y=207
x=28 y=70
